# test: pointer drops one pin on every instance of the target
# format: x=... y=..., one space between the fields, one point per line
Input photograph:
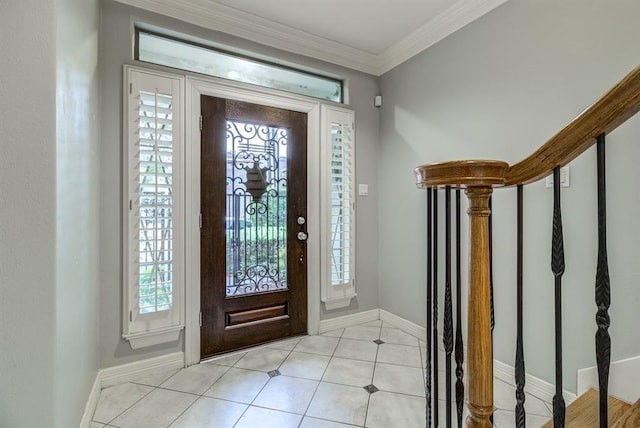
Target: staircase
x=583 y=413
x=473 y=383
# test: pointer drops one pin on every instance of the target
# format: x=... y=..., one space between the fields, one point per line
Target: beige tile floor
x=308 y=382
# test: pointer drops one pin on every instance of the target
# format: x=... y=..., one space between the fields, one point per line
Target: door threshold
x=270 y=344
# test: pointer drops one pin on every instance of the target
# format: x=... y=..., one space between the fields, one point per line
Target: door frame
x=195 y=87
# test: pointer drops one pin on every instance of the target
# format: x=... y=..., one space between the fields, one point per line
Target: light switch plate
x=363 y=189
x=565 y=178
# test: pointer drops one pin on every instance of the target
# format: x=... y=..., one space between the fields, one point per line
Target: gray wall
x=116 y=35
x=498 y=89
x=27 y=207
x=48 y=309
x=77 y=187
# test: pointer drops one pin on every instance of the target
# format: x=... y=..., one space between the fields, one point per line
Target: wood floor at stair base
x=630 y=418
x=585 y=411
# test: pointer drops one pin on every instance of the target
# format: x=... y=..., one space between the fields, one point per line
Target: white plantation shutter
x=342 y=203
x=338 y=149
x=153 y=241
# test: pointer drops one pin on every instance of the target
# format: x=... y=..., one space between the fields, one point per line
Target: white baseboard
x=127 y=372
x=124 y=373
x=533 y=385
x=92 y=402
x=404 y=325
x=349 y=320
x=624 y=379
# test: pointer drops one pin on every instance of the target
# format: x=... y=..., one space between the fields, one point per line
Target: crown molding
x=451 y=20
x=219 y=17
x=222 y=18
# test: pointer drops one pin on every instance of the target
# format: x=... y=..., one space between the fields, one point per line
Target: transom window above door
x=178 y=53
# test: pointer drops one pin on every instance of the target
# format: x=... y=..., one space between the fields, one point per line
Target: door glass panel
x=256 y=210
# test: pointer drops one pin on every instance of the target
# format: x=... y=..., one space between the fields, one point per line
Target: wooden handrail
x=610 y=111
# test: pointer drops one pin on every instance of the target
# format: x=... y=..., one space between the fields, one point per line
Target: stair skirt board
x=624 y=379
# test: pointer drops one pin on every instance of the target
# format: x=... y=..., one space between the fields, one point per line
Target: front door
x=253 y=234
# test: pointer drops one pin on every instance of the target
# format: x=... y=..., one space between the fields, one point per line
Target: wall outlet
x=363 y=189
x=565 y=178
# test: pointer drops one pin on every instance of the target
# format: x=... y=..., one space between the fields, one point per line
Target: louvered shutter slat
x=153 y=201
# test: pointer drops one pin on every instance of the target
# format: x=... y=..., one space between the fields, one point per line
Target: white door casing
x=195 y=87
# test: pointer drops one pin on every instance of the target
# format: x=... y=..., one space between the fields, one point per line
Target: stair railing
x=478 y=178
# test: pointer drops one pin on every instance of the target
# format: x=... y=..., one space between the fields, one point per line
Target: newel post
x=477 y=177
x=479 y=349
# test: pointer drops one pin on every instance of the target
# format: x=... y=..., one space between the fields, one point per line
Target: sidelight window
x=153 y=236
x=338 y=147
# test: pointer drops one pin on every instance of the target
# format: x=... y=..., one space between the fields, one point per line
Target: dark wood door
x=253 y=242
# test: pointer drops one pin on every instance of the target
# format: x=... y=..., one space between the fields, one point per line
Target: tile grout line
x=199 y=396
x=153 y=388
x=289 y=352
x=373 y=375
x=190 y=393
x=320 y=381
x=265 y=384
x=133 y=404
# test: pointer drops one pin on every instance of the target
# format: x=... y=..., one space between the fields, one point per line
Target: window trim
x=143 y=330
x=185 y=40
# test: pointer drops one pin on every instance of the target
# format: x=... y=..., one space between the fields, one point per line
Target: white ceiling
x=372 y=36
x=369 y=25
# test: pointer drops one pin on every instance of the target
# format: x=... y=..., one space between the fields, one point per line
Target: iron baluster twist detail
x=429 y=278
x=459 y=343
x=520 y=416
x=557 y=267
x=603 y=289
x=447 y=339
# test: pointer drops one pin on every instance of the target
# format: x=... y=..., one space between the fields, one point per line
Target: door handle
x=302 y=236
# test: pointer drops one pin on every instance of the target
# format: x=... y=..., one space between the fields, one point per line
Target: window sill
x=341 y=302
x=150 y=338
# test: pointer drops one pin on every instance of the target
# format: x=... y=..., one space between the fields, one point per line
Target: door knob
x=301 y=220
x=302 y=236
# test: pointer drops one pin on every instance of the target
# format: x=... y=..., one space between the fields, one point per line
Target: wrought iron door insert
x=256 y=208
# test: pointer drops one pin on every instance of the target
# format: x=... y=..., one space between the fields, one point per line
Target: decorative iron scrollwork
x=256 y=208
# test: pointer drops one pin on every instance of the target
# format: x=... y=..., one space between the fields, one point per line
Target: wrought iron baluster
x=429 y=284
x=603 y=289
x=447 y=339
x=459 y=344
x=557 y=267
x=519 y=369
x=434 y=294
